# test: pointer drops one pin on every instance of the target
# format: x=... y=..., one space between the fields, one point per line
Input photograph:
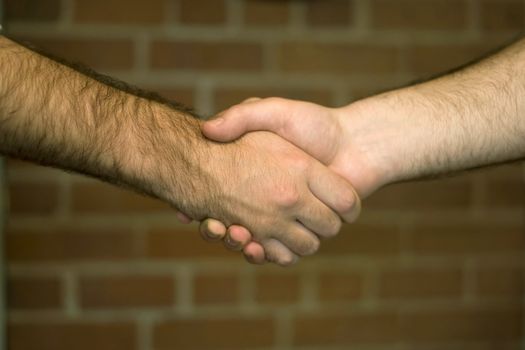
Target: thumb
x=252 y=115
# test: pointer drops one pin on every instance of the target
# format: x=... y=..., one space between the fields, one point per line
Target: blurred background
x=430 y=265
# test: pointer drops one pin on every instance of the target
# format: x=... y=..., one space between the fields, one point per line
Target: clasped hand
x=328 y=177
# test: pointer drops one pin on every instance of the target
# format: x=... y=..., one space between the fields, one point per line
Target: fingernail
x=249 y=258
x=213 y=235
x=231 y=242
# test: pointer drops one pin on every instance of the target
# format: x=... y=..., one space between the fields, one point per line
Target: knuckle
x=251 y=99
x=287 y=196
x=275 y=100
x=300 y=163
x=234 y=111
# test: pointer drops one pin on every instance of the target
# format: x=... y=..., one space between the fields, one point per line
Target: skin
x=77 y=120
x=471 y=118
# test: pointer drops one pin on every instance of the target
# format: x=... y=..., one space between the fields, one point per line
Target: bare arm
x=55 y=115
x=471 y=118
x=468 y=119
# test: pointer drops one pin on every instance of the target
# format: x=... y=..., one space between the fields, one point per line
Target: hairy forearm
x=55 y=115
x=471 y=118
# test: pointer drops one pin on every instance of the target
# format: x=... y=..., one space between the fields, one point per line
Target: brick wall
x=432 y=265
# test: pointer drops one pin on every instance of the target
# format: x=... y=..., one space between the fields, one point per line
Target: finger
x=237 y=237
x=239 y=234
x=240 y=119
x=301 y=123
x=318 y=217
x=334 y=191
x=183 y=218
x=246 y=101
x=254 y=253
x=278 y=253
x=299 y=240
x=212 y=230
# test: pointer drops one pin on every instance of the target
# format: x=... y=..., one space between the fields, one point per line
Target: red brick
x=361 y=92
x=120 y=11
x=97 y=53
x=16 y=167
x=102 y=198
x=511 y=171
x=183 y=244
x=185 y=96
x=266 y=13
x=364 y=239
x=499 y=282
x=317 y=57
x=417 y=14
x=136 y=291
x=202 y=11
x=224 y=55
x=214 y=333
x=340 y=286
x=217 y=288
x=328 y=13
x=505 y=194
x=20 y=164
x=428 y=195
x=421 y=327
x=414 y=327
x=227 y=97
x=467 y=238
x=421 y=282
x=34 y=293
x=48 y=245
x=277 y=288
x=33 y=198
x=72 y=335
x=464 y=345
x=350 y=329
x=32 y=10
x=428 y=60
x=504 y=186
x=501 y=15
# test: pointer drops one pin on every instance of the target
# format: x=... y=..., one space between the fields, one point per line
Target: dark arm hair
x=62 y=114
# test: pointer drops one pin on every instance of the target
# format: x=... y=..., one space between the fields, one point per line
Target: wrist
x=412 y=133
x=165 y=156
x=376 y=132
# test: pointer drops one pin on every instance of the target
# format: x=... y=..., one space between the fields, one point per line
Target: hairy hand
x=285 y=198
x=322 y=132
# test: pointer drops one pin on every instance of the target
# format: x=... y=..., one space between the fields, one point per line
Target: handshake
x=271 y=177
x=297 y=171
